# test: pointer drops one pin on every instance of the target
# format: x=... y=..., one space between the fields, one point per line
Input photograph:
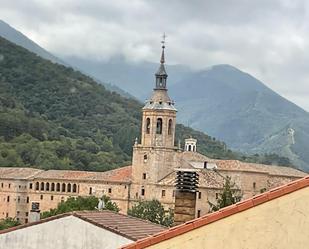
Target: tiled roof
x=222 y=213
x=236 y=165
x=18 y=173
x=117 y=175
x=254 y=167
x=126 y=226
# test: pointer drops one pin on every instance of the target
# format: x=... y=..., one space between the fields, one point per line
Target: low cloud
x=268 y=39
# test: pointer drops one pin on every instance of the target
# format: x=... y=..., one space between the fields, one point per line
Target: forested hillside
x=54 y=117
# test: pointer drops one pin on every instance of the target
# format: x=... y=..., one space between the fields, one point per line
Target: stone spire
x=161 y=74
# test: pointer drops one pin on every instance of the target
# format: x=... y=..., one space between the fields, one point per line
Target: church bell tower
x=159 y=113
x=155 y=156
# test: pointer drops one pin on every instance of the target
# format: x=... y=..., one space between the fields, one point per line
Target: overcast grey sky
x=266 y=38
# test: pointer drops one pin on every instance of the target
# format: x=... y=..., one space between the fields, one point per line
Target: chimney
x=185 y=197
x=34 y=212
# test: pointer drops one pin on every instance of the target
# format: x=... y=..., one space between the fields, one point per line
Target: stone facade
x=151 y=176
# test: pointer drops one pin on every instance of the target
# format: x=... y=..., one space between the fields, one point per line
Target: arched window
x=37 y=186
x=63 y=187
x=147 y=125
x=170 y=123
x=69 y=187
x=159 y=126
x=74 y=188
x=189 y=149
x=42 y=185
x=58 y=187
x=47 y=186
x=53 y=187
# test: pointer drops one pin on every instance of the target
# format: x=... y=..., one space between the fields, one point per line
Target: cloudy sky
x=266 y=38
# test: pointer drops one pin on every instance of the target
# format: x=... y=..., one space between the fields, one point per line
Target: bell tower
x=156 y=155
x=159 y=113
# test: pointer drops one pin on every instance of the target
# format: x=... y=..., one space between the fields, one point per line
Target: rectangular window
x=1 y=185
x=26 y=214
x=9 y=185
x=7 y=215
x=26 y=221
x=199 y=195
x=143 y=192
x=110 y=190
x=27 y=199
x=254 y=185
x=217 y=196
x=90 y=190
x=51 y=197
x=163 y=193
x=41 y=197
x=198 y=213
x=8 y=199
x=144 y=175
x=18 y=199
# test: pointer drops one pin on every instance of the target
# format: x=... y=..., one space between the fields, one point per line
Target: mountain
x=137 y=79
x=13 y=35
x=52 y=116
x=239 y=109
x=134 y=80
x=221 y=101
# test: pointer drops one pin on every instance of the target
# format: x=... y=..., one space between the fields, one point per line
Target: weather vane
x=163 y=40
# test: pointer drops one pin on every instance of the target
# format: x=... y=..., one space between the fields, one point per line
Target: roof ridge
x=55 y=217
x=222 y=213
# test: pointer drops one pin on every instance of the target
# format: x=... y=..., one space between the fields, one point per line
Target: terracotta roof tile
x=122 y=174
x=244 y=166
x=222 y=213
x=18 y=173
x=255 y=167
x=126 y=226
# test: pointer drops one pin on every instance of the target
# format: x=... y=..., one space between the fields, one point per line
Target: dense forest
x=53 y=117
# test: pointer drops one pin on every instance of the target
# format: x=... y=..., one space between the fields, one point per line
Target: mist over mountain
x=239 y=109
x=135 y=78
x=20 y=39
x=222 y=101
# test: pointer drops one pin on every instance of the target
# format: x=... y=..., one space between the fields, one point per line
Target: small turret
x=190 y=144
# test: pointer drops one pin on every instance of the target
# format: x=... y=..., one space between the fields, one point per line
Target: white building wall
x=63 y=233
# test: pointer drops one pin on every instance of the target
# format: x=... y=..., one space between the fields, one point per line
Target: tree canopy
x=152 y=211
x=230 y=195
x=81 y=203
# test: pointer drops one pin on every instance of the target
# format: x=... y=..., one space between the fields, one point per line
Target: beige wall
x=281 y=223
x=13 y=199
x=63 y=233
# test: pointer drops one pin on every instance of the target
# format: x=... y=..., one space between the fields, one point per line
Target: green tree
x=152 y=211
x=230 y=195
x=8 y=222
x=80 y=203
x=109 y=205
